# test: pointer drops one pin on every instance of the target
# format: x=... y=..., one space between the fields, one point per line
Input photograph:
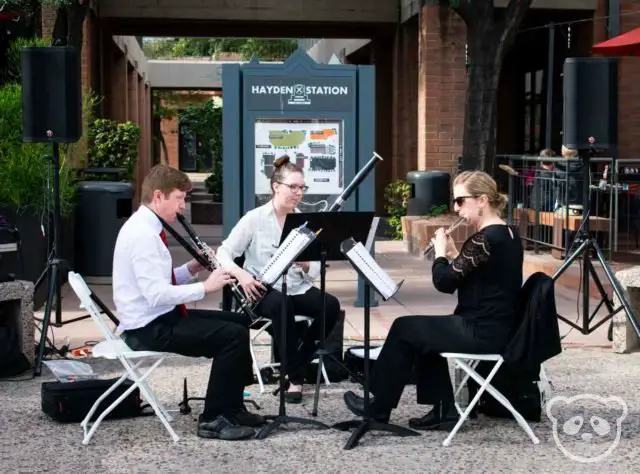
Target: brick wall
x=405 y=100
x=629 y=90
x=169 y=127
x=441 y=88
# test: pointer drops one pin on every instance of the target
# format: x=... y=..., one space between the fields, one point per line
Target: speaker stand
x=53 y=269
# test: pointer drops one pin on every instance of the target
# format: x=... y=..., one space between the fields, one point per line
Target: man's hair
x=165 y=179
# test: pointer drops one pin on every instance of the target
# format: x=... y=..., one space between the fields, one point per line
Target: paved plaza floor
x=30 y=442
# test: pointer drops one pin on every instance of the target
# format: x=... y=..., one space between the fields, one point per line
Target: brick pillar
x=118 y=93
x=382 y=59
x=132 y=94
x=405 y=99
x=48 y=21
x=441 y=88
x=628 y=91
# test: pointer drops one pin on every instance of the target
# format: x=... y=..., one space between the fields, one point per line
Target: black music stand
x=282 y=418
x=336 y=227
x=367 y=424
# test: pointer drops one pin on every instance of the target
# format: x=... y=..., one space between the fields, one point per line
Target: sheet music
x=297 y=240
x=363 y=260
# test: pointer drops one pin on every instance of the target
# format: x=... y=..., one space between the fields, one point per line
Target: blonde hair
x=479 y=183
x=165 y=179
x=569 y=152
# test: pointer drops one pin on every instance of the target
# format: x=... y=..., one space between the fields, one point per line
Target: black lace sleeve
x=475 y=252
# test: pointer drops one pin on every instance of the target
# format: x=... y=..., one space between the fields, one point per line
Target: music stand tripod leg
x=321 y=349
x=283 y=418
x=367 y=424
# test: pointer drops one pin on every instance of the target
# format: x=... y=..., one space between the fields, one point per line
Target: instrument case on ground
x=71 y=401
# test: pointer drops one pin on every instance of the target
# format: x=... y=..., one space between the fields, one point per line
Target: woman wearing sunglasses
x=257 y=236
x=487 y=274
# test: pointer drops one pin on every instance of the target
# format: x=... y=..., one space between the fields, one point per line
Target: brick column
x=405 y=99
x=48 y=21
x=441 y=88
x=118 y=92
x=382 y=59
x=132 y=94
x=628 y=90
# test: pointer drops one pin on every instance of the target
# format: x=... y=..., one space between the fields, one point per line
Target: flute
x=447 y=232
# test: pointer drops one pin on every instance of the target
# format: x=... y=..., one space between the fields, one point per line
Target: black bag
x=520 y=388
x=71 y=401
x=12 y=361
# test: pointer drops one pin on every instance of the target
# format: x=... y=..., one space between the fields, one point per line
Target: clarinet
x=208 y=260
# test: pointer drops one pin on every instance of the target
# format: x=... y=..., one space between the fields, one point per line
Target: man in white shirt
x=149 y=297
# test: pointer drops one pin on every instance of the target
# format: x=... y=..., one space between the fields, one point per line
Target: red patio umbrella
x=627 y=44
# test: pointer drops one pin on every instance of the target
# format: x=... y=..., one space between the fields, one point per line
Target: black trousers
x=221 y=335
x=307 y=304
x=419 y=340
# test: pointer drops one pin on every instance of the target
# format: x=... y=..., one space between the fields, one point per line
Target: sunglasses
x=460 y=200
x=294 y=187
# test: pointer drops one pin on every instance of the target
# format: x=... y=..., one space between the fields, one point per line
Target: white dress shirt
x=142 y=288
x=257 y=235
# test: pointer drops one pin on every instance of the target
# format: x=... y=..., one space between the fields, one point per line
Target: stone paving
x=30 y=442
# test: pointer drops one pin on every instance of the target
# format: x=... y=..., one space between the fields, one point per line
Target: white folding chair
x=468 y=363
x=115 y=348
x=265 y=324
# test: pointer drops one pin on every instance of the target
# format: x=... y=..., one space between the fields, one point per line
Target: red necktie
x=183 y=308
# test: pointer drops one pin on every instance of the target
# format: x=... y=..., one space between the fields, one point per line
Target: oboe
x=447 y=232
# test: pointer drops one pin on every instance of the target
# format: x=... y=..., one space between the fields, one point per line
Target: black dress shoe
x=355 y=403
x=439 y=418
x=244 y=417
x=221 y=427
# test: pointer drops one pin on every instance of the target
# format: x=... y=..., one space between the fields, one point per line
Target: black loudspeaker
x=51 y=95
x=590 y=102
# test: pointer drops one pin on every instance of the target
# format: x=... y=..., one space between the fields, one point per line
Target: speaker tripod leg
x=53 y=275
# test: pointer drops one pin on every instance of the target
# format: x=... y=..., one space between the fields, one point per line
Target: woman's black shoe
x=355 y=403
x=441 y=418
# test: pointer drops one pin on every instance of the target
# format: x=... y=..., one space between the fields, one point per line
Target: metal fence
x=547 y=195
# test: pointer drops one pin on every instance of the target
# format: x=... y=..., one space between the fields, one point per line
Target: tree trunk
x=489 y=37
x=482 y=87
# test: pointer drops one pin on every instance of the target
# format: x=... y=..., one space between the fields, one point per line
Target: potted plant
x=26 y=191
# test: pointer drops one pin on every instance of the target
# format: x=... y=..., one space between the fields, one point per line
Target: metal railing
x=546 y=200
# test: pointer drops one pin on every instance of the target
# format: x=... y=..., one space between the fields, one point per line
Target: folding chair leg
x=136 y=383
x=485 y=384
x=324 y=374
x=150 y=398
x=256 y=367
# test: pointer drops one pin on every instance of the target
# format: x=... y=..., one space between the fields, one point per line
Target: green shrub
x=26 y=176
x=114 y=145
x=396 y=194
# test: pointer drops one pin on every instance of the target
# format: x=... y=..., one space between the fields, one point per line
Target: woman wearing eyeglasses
x=487 y=274
x=257 y=236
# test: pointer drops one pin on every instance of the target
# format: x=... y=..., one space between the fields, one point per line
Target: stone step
x=201 y=196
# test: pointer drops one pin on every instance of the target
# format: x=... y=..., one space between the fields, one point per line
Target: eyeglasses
x=295 y=187
x=460 y=200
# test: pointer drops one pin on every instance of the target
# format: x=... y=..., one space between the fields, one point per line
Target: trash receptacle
x=428 y=189
x=102 y=209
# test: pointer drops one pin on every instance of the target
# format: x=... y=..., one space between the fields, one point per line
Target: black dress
x=488 y=276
